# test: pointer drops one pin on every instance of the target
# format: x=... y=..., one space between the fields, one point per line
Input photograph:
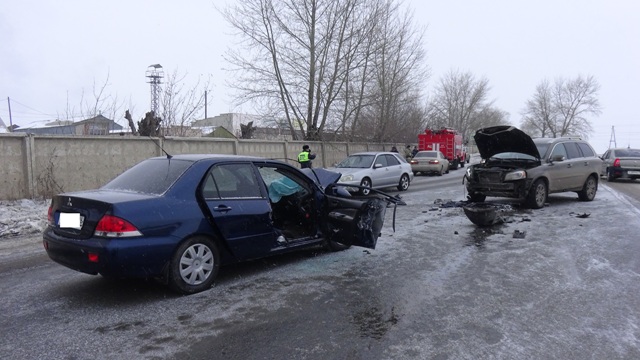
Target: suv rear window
x=152 y=176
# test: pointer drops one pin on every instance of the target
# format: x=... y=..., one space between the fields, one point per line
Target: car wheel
x=476 y=198
x=333 y=245
x=610 y=177
x=537 y=194
x=194 y=265
x=366 y=183
x=404 y=182
x=588 y=192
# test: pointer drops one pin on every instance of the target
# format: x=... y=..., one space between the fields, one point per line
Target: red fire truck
x=447 y=141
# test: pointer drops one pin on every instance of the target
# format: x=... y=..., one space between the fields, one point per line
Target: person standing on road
x=407 y=153
x=414 y=151
x=305 y=157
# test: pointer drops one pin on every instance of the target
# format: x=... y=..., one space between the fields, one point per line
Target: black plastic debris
x=517 y=234
x=583 y=215
x=482 y=214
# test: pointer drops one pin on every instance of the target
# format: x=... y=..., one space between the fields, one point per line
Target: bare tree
x=538 y=117
x=562 y=109
x=308 y=61
x=180 y=105
x=460 y=102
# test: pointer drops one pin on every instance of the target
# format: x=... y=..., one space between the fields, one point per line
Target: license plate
x=633 y=172
x=71 y=221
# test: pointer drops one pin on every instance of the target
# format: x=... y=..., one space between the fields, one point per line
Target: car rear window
x=628 y=153
x=430 y=154
x=152 y=176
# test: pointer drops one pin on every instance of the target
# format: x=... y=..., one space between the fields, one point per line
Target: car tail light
x=435 y=162
x=50 y=215
x=93 y=257
x=414 y=162
x=113 y=226
x=616 y=163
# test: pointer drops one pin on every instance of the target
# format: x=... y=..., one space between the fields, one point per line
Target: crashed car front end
x=488 y=179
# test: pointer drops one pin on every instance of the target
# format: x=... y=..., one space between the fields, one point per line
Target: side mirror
x=375 y=166
x=557 y=158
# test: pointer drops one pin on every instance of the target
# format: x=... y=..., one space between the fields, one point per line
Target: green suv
x=514 y=165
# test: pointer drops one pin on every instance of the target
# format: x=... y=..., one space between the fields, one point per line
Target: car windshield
x=357 y=161
x=152 y=176
x=426 y=154
x=513 y=156
x=542 y=148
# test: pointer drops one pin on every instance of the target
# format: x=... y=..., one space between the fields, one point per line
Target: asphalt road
x=437 y=288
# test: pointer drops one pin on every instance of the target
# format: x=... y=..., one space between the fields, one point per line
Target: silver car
x=375 y=170
x=621 y=164
x=514 y=165
x=429 y=162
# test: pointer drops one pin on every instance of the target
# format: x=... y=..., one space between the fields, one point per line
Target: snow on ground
x=22 y=217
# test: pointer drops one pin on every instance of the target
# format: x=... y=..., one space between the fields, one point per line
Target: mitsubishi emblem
x=69 y=203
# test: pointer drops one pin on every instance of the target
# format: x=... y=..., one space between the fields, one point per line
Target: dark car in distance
x=621 y=163
x=178 y=218
x=514 y=165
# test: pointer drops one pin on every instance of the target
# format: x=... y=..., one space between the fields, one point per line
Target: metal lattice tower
x=155 y=73
x=612 y=139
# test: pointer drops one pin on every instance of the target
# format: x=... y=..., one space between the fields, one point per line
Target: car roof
x=220 y=157
x=374 y=153
x=548 y=140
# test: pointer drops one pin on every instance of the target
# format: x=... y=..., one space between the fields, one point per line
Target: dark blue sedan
x=178 y=218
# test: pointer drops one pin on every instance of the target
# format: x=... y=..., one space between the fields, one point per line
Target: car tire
x=366 y=183
x=404 y=183
x=537 y=196
x=589 y=189
x=194 y=265
x=334 y=246
x=610 y=177
x=476 y=198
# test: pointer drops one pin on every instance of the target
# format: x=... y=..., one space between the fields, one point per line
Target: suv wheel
x=588 y=192
x=537 y=194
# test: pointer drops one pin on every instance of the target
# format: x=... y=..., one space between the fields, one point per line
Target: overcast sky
x=52 y=51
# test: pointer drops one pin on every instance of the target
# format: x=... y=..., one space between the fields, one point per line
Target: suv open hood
x=504 y=138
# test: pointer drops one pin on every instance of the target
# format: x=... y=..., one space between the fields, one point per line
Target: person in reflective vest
x=305 y=157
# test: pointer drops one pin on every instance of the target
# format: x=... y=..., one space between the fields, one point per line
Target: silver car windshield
x=357 y=161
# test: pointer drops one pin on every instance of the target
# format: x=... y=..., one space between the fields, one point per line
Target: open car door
x=355 y=221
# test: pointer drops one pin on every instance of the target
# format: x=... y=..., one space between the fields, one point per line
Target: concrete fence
x=38 y=166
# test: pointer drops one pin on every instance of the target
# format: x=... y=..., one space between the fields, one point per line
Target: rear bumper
x=625 y=173
x=124 y=257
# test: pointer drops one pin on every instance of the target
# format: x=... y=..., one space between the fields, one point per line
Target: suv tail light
x=50 y=215
x=113 y=226
x=616 y=163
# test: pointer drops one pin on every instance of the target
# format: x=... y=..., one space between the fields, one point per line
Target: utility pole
x=10 y=119
x=612 y=139
x=205 y=104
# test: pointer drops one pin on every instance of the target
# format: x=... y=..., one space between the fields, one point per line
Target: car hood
x=349 y=171
x=322 y=177
x=504 y=138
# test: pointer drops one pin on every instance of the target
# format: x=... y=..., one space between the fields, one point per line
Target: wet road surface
x=437 y=288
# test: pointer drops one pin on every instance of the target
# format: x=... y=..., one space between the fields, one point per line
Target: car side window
x=572 y=150
x=382 y=160
x=587 y=151
x=392 y=160
x=233 y=181
x=559 y=150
